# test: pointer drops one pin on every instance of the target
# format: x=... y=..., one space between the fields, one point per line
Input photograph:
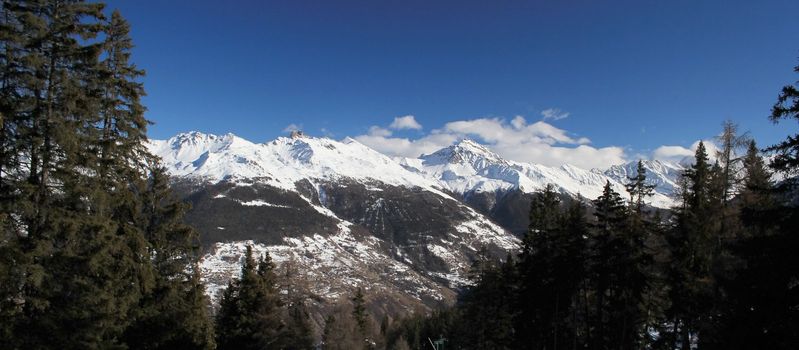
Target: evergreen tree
x=359 y=311
x=249 y=314
x=756 y=196
x=638 y=188
x=536 y=265
x=173 y=311
x=764 y=296
x=749 y=310
x=614 y=274
x=82 y=265
x=551 y=272
x=365 y=324
x=487 y=308
x=693 y=245
x=787 y=152
x=75 y=256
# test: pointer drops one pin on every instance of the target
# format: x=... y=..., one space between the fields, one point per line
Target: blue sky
x=631 y=75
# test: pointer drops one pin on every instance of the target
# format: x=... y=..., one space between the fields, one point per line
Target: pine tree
x=640 y=234
x=757 y=197
x=359 y=311
x=610 y=270
x=693 y=245
x=787 y=152
x=249 y=314
x=536 y=263
x=551 y=273
x=173 y=311
x=364 y=322
x=764 y=296
x=487 y=308
x=81 y=266
x=76 y=257
x=638 y=188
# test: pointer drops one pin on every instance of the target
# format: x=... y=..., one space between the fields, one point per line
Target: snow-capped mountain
x=350 y=216
x=664 y=175
x=468 y=167
x=280 y=163
x=343 y=213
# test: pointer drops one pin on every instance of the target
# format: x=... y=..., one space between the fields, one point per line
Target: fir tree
x=173 y=311
x=693 y=241
x=551 y=271
x=86 y=263
x=609 y=268
x=757 y=197
x=487 y=308
x=77 y=257
x=638 y=188
x=359 y=311
x=249 y=314
x=536 y=270
x=787 y=152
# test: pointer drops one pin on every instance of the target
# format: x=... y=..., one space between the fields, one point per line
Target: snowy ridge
x=282 y=162
x=663 y=175
x=461 y=168
x=469 y=167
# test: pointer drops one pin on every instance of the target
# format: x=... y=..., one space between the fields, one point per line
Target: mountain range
x=342 y=215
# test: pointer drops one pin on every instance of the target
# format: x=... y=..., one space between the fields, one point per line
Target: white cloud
x=398 y=146
x=375 y=130
x=539 y=142
x=292 y=127
x=554 y=114
x=405 y=122
x=518 y=122
x=678 y=153
x=519 y=140
x=671 y=153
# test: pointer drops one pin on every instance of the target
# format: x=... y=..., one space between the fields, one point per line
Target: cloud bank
x=538 y=142
x=679 y=153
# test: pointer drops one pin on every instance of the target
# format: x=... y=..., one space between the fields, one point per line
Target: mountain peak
x=464 y=151
x=474 y=147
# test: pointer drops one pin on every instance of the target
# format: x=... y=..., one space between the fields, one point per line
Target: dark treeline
x=718 y=271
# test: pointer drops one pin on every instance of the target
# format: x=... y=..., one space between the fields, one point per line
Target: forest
x=94 y=252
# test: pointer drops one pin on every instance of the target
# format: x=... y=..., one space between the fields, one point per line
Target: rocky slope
x=345 y=215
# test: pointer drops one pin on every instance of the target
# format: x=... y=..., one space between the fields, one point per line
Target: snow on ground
x=260 y=203
x=333 y=265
